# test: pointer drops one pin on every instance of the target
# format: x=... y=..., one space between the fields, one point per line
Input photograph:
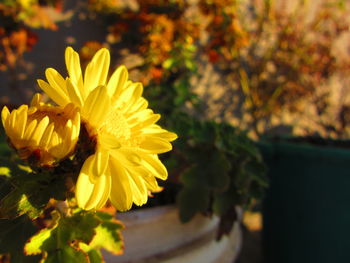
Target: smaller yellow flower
x=42 y=134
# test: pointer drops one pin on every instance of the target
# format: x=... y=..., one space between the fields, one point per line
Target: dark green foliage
x=221 y=168
x=13 y=235
x=28 y=192
x=107 y=235
x=77 y=238
x=61 y=242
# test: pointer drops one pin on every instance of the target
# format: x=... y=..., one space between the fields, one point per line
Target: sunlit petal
x=121 y=194
x=57 y=95
x=96 y=106
x=117 y=81
x=97 y=70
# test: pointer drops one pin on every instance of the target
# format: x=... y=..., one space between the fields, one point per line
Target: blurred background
x=268 y=67
x=265 y=65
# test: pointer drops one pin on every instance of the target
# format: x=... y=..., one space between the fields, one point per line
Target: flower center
x=116 y=124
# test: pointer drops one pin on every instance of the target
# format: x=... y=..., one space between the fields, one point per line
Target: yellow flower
x=41 y=133
x=125 y=164
x=26 y=3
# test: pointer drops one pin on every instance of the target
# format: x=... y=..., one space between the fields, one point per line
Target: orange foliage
x=13 y=44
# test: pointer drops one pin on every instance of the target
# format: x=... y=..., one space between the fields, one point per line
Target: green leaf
x=66 y=254
x=31 y=193
x=95 y=256
x=224 y=201
x=61 y=242
x=108 y=234
x=11 y=168
x=26 y=197
x=223 y=169
x=210 y=170
x=192 y=177
x=13 y=235
x=34 y=247
x=183 y=125
x=217 y=170
x=192 y=200
x=5 y=186
x=5 y=150
x=205 y=132
x=16 y=204
x=105 y=216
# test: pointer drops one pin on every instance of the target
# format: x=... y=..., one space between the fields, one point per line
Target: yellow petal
x=121 y=195
x=138 y=188
x=55 y=80
x=56 y=95
x=154 y=166
x=117 y=81
x=139 y=105
x=109 y=141
x=76 y=126
x=127 y=156
x=151 y=119
x=46 y=138
x=84 y=187
x=140 y=116
x=12 y=120
x=166 y=135
x=22 y=114
x=36 y=100
x=74 y=93
x=90 y=195
x=29 y=130
x=152 y=184
x=155 y=130
x=55 y=141
x=148 y=179
x=100 y=191
x=74 y=70
x=96 y=106
x=97 y=70
x=39 y=130
x=129 y=96
x=5 y=114
x=106 y=192
x=66 y=145
x=156 y=145
x=100 y=162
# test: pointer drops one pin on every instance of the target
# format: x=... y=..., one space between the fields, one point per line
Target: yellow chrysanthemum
x=125 y=164
x=41 y=133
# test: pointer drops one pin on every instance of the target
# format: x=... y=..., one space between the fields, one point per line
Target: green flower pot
x=307 y=206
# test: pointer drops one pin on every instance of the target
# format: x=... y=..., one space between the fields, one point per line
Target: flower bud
x=42 y=134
